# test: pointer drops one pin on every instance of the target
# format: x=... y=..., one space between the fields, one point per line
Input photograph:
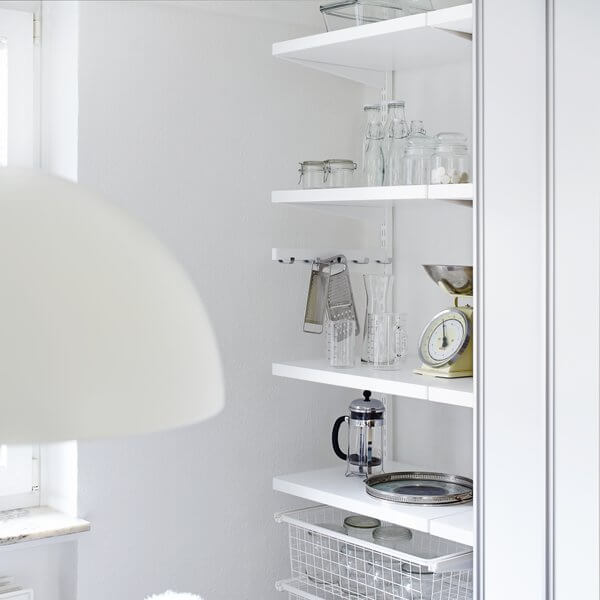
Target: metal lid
x=312 y=164
x=340 y=163
x=366 y=405
x=361 y=522
x=390 y=534
x=397 y=103
x=372 y=107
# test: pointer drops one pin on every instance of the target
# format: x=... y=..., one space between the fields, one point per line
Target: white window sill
x=38 y=524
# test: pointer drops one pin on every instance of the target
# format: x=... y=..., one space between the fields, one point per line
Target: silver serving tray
x=416 y=487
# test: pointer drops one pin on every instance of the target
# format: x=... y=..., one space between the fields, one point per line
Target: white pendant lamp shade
x=102 y=333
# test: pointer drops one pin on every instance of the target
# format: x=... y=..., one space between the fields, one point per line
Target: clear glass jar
x=396 y=134
x=312 y=174
x=416 y=162
x=450 y=162
x=392 y=536
x=339 y=172
x=361 y=527
x=373 y=156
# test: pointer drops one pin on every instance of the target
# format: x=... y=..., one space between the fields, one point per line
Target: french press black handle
x=335 y=433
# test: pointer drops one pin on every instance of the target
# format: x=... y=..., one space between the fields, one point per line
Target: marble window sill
x=37 y=523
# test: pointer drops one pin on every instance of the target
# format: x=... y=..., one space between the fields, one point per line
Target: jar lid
x=450 y=139
x=342 y=163
x=372 y=107
x=389 y=534
x=367 y=406
x=399 y=103
x=312 y=164
x=361 y=522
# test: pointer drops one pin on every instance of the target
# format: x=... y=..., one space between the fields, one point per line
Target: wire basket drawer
x=327 y=564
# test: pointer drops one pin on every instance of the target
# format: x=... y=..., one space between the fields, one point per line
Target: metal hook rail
x=290 y=256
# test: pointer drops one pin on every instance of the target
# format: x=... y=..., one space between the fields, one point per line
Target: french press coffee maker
x=364 y=456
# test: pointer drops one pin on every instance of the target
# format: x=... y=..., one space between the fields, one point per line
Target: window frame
x=17 y=27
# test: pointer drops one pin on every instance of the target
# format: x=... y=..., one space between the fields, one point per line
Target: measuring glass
x=389 y=340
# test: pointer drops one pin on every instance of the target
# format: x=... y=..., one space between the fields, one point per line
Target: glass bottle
x=373 y=158
x=450 y=162
x=416 y=163
x=379 y=294
x=397 y=132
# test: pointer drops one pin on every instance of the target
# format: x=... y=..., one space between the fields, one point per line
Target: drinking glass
x=379 y=300
x=340 y=343
x=389 y=340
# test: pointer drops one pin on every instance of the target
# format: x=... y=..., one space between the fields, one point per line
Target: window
x=19 y=465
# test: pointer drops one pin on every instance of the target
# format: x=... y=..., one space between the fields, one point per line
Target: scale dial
x=445 y=337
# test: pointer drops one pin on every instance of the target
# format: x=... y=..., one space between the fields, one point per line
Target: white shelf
x=370 y=197
x=331 y=486
x=365 y=53
x=402 y=382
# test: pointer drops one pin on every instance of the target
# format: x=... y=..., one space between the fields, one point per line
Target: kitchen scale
x=446 y=344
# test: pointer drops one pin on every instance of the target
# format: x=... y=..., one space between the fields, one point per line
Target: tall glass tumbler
x=389 y=340
x=379 y=300
x=341 y=341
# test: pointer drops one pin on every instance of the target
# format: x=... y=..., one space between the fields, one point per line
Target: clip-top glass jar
x=312 y=174
x=416 y=162
x=450 y=162
x=339 y=172
x=364 y=456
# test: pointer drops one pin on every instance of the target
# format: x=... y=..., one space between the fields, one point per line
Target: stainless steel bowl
x=457 y=280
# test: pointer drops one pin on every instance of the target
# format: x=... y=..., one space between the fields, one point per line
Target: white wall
x=50 y=570
x=432 y=435
x=187 y=122
x=59 y=106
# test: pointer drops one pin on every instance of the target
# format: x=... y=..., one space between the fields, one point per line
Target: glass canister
x=397 y=132
x=373 y=156
x=450 y=162
x=379 y=300
x=312 y=174
x=416 y=162
x=361 y=527
x=339 y=172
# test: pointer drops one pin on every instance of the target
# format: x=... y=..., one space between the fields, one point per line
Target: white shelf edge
x=455 y=392
x=374 y=196
x=331 y=487
x=443 y=18
x=349 y=34
x=365 y=53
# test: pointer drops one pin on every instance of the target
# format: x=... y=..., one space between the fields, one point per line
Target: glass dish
x=349 y=13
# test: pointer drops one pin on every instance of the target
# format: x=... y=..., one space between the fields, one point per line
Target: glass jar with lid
x=312 y=174
x=360 y=526
x=339 y=172
x=450 y=162
x=416 y=162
